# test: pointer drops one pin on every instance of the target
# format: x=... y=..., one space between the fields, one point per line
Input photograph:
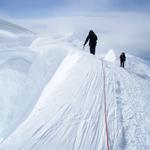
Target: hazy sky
x=29 y=8
x=128 y=28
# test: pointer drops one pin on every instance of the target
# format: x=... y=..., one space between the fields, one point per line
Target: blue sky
x=29 y=8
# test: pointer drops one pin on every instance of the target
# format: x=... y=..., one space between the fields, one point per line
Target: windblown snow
x=53 y=97
x=14 y=37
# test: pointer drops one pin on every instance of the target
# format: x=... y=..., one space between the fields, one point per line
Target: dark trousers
x=122 y=64
x=92 y=50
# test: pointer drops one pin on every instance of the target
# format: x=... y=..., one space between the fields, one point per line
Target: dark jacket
x=92 y=38
x=122 y=57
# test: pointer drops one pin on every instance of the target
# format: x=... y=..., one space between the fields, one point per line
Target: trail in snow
x=70 y=111
x=70 y=106
x=105 y=106
x=133 y=114
x=129 y=122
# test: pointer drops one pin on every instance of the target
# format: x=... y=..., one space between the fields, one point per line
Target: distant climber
x=122 y=59
x=92 y=38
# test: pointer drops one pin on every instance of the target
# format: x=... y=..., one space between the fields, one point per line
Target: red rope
x=105 y=107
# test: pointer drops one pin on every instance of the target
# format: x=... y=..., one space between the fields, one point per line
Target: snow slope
x=52 y=95
x=15 y=83
x=64 y=112
x=70 y=111
x=24 y=73
x=13 y=36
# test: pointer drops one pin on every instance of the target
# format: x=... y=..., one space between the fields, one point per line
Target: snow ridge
x=52 y=96
x=70 y=111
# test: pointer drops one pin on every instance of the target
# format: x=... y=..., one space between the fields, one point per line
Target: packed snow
x=52 y=96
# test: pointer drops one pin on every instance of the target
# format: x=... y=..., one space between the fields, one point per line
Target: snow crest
x=52 y=96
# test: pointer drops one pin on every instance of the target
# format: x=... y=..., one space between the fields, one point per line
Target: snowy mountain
x=13 y=28
x=13 y=36
x=55 y=96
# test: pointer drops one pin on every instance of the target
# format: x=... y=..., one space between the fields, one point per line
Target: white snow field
x=15 y=61
x=52 y=97
x=14 y=37
x=21 y=82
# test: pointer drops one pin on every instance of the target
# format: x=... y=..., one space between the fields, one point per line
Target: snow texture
x=52 y=97
x=14 y=37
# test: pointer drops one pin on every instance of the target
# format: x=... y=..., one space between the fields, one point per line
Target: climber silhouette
x=122 y=59
x=92 y=38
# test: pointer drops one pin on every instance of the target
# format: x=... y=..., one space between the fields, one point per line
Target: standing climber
x=122 y=59
x=92 y=38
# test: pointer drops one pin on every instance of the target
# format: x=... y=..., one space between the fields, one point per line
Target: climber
x=122 y=59
x=92 y=38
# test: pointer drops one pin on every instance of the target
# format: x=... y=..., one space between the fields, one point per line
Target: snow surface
x=110 y=56
x=52 y=97
x=14 y=37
